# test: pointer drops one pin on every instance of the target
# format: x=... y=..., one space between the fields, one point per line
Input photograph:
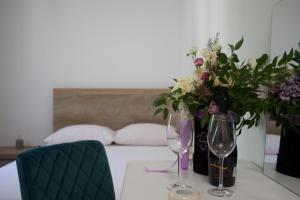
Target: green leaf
x=161 y=100
x=222 y=58
x=179 y=90
x=295 y=66
x=222 y=80
x=238 y=44
x=194 y=108
x=175 y=105
x=165 y=113
x=274 y=62
x=278 y=108
x=297 y=54
x=291 y=53
x=204 y=120
x=239 y=132
x=283 y=59
x=262 y=60
x=235 y=58
x=231 y=47
x=157 y=111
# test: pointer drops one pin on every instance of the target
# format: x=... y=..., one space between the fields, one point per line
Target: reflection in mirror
x=285 y=35
x=271 y=151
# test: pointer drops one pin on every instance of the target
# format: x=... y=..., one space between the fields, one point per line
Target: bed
x=114 y=108
x=272 y=142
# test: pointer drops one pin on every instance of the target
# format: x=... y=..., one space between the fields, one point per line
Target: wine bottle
x=229 y=167
x=200 y=159
x=287 y=161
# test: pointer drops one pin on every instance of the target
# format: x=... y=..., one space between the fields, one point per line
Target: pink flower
x=204 y=76
x=198 y=62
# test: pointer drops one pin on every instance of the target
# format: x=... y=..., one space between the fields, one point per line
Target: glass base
x=217 y=192
x=184 y=194
x=175 y=186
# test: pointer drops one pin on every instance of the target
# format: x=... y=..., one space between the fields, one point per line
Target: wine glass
x=179 y=138
x=221 y=140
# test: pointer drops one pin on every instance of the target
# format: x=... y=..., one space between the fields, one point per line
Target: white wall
x=285 y=26
x=83 y=43
x=110 y=43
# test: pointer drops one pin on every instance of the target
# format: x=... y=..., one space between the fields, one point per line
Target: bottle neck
x=221 y=99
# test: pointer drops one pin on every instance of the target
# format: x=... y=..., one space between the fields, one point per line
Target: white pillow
x=272 y=144
x=82 y=132
x=142 y=134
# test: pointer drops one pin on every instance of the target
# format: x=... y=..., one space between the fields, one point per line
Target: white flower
x=193 y=51
x=210 y=56
x=203 y=69
x=230 y=82
x=217 y=82
x=252 y=62
x=216 y=47
x=197 y=79
x=205 y=53
x=213 y=57
x=185 y=84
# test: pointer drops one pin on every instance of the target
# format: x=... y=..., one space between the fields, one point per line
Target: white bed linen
x=270 y=158
x=272 y=144
x=271 y=148
x=118 y=157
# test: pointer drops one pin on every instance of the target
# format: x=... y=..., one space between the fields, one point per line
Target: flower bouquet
x=220 y=83
x=195 y=95
x=284 y=90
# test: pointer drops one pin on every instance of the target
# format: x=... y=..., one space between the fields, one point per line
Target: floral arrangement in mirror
x=284 y=90
x=283 y=106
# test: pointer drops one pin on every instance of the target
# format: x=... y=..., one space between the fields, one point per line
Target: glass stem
x=179 y=169
x=220 y=187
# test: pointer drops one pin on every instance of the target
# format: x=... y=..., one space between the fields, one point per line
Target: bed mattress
x=271 y=148
x=118 y=157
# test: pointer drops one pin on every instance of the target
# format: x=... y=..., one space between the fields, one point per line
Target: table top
x=250 y=184
x=290 y=182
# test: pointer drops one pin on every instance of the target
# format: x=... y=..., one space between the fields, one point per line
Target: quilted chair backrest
x=70 y=171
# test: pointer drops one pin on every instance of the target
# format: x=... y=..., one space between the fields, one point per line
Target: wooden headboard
x=272 y=128
x=113 y=108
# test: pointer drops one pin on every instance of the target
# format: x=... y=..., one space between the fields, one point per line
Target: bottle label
x=200 y=157
x=234 y=172
x=202 y=140
x=215 y=167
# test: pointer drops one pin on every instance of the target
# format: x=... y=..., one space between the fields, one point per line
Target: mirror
x=285 y=35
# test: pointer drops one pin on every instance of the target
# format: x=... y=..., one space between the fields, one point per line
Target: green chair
x=70 y=171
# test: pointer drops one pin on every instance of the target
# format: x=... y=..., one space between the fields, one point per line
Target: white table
x=250 y=184
x=288 y=181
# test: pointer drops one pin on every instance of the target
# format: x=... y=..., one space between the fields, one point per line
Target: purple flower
x=290 y=90
x=200 y=114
